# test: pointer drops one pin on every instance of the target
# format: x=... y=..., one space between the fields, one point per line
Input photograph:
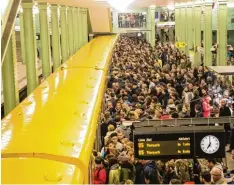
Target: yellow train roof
x=59 y=118
x=89 y=55
x=41 y=171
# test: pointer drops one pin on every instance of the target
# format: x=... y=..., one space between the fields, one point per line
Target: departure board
x=164 y=145
x=178 y=143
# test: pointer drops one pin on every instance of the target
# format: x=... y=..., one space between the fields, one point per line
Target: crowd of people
x=157 y=83
x=132 y=20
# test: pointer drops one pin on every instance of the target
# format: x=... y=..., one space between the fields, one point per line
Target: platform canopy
x=222 y=70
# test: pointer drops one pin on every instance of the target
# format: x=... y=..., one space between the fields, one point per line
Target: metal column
x=75 y=27
x=79 y=20
x=45 y=40
x=177 y=26
x=148 y=34
x=208 y=33
x=85 y=26
x=70 y=31
x=189 y=16
x=152 y=16
x=64 y=40
x=30 y=47
x=197 y=28
x=9 y=77
x=55 y=36
x=82 y=21
x=22 y=38
x=183 y=25
x=222 y=33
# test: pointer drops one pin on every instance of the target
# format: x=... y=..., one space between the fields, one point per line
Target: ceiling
x=103 y=3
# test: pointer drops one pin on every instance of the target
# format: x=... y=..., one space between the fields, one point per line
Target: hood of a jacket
x=150 y=166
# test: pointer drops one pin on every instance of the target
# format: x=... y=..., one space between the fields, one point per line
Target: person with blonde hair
x=128 y=182
x=110 y=129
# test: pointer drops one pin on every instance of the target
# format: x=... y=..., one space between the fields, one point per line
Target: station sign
x=175 y=145
x=180 y=44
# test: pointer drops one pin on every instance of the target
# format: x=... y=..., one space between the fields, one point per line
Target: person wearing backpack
x=128 y=171
x=100 y=176
x=149 y=174
x=114 y=173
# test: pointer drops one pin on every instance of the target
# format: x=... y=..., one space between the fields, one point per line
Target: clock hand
x=209 y=145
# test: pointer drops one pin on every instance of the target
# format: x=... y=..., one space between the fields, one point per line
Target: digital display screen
x=179 y=145
x=164 y=145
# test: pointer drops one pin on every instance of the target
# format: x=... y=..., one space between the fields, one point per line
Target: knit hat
x=123 y=157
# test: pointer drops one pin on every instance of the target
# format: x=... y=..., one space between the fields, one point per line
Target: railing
x=73 y=35
x=185 y=122
x=7 y=29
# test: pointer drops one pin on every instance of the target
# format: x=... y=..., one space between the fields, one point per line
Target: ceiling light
x=35 y=9
x=230 y=5
x=170 y=7
x=119 y=5
x=152 y=6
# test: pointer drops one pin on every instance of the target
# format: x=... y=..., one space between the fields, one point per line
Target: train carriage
x=54 y=129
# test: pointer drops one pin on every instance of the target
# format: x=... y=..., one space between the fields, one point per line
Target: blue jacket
x=150 y=167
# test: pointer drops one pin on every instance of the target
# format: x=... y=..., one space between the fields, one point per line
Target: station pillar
x=197 y=29
x=84 y=26
x=148 y=34
x=75 y=29
x=222 y=33
x=30 y=46
x=208 y=33
x=183 y=27
x=22 y=38
x=189 y=20
x=70 y=31
x=177 y=23
x=152 y=17
x=79 y=19
x=64 y=38
x=45 y=40
x=115 y=21
x=55 y=36
x=9 y=77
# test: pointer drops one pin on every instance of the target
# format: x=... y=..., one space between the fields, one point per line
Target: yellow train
x=49 y=137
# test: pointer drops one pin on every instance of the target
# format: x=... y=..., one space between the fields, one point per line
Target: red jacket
x=206 y=108
x=99 y=176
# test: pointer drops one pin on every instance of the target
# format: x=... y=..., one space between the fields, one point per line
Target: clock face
x=210 y=144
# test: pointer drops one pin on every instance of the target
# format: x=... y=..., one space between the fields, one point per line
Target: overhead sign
x=180 y=44
x=179 y=145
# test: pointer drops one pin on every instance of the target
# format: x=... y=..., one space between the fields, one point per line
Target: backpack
x=107 y=174
x=127 y=174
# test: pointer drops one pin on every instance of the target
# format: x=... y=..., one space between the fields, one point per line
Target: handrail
x=183 y=122
x=9 y=26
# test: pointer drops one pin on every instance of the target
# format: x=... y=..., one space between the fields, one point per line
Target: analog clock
x=210 y=144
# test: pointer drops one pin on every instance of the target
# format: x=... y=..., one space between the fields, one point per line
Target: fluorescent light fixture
x=20 y=9
x=230 y=5
x=170 y=7
x=35 y=9
x=152 y=6
x=119 y=5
